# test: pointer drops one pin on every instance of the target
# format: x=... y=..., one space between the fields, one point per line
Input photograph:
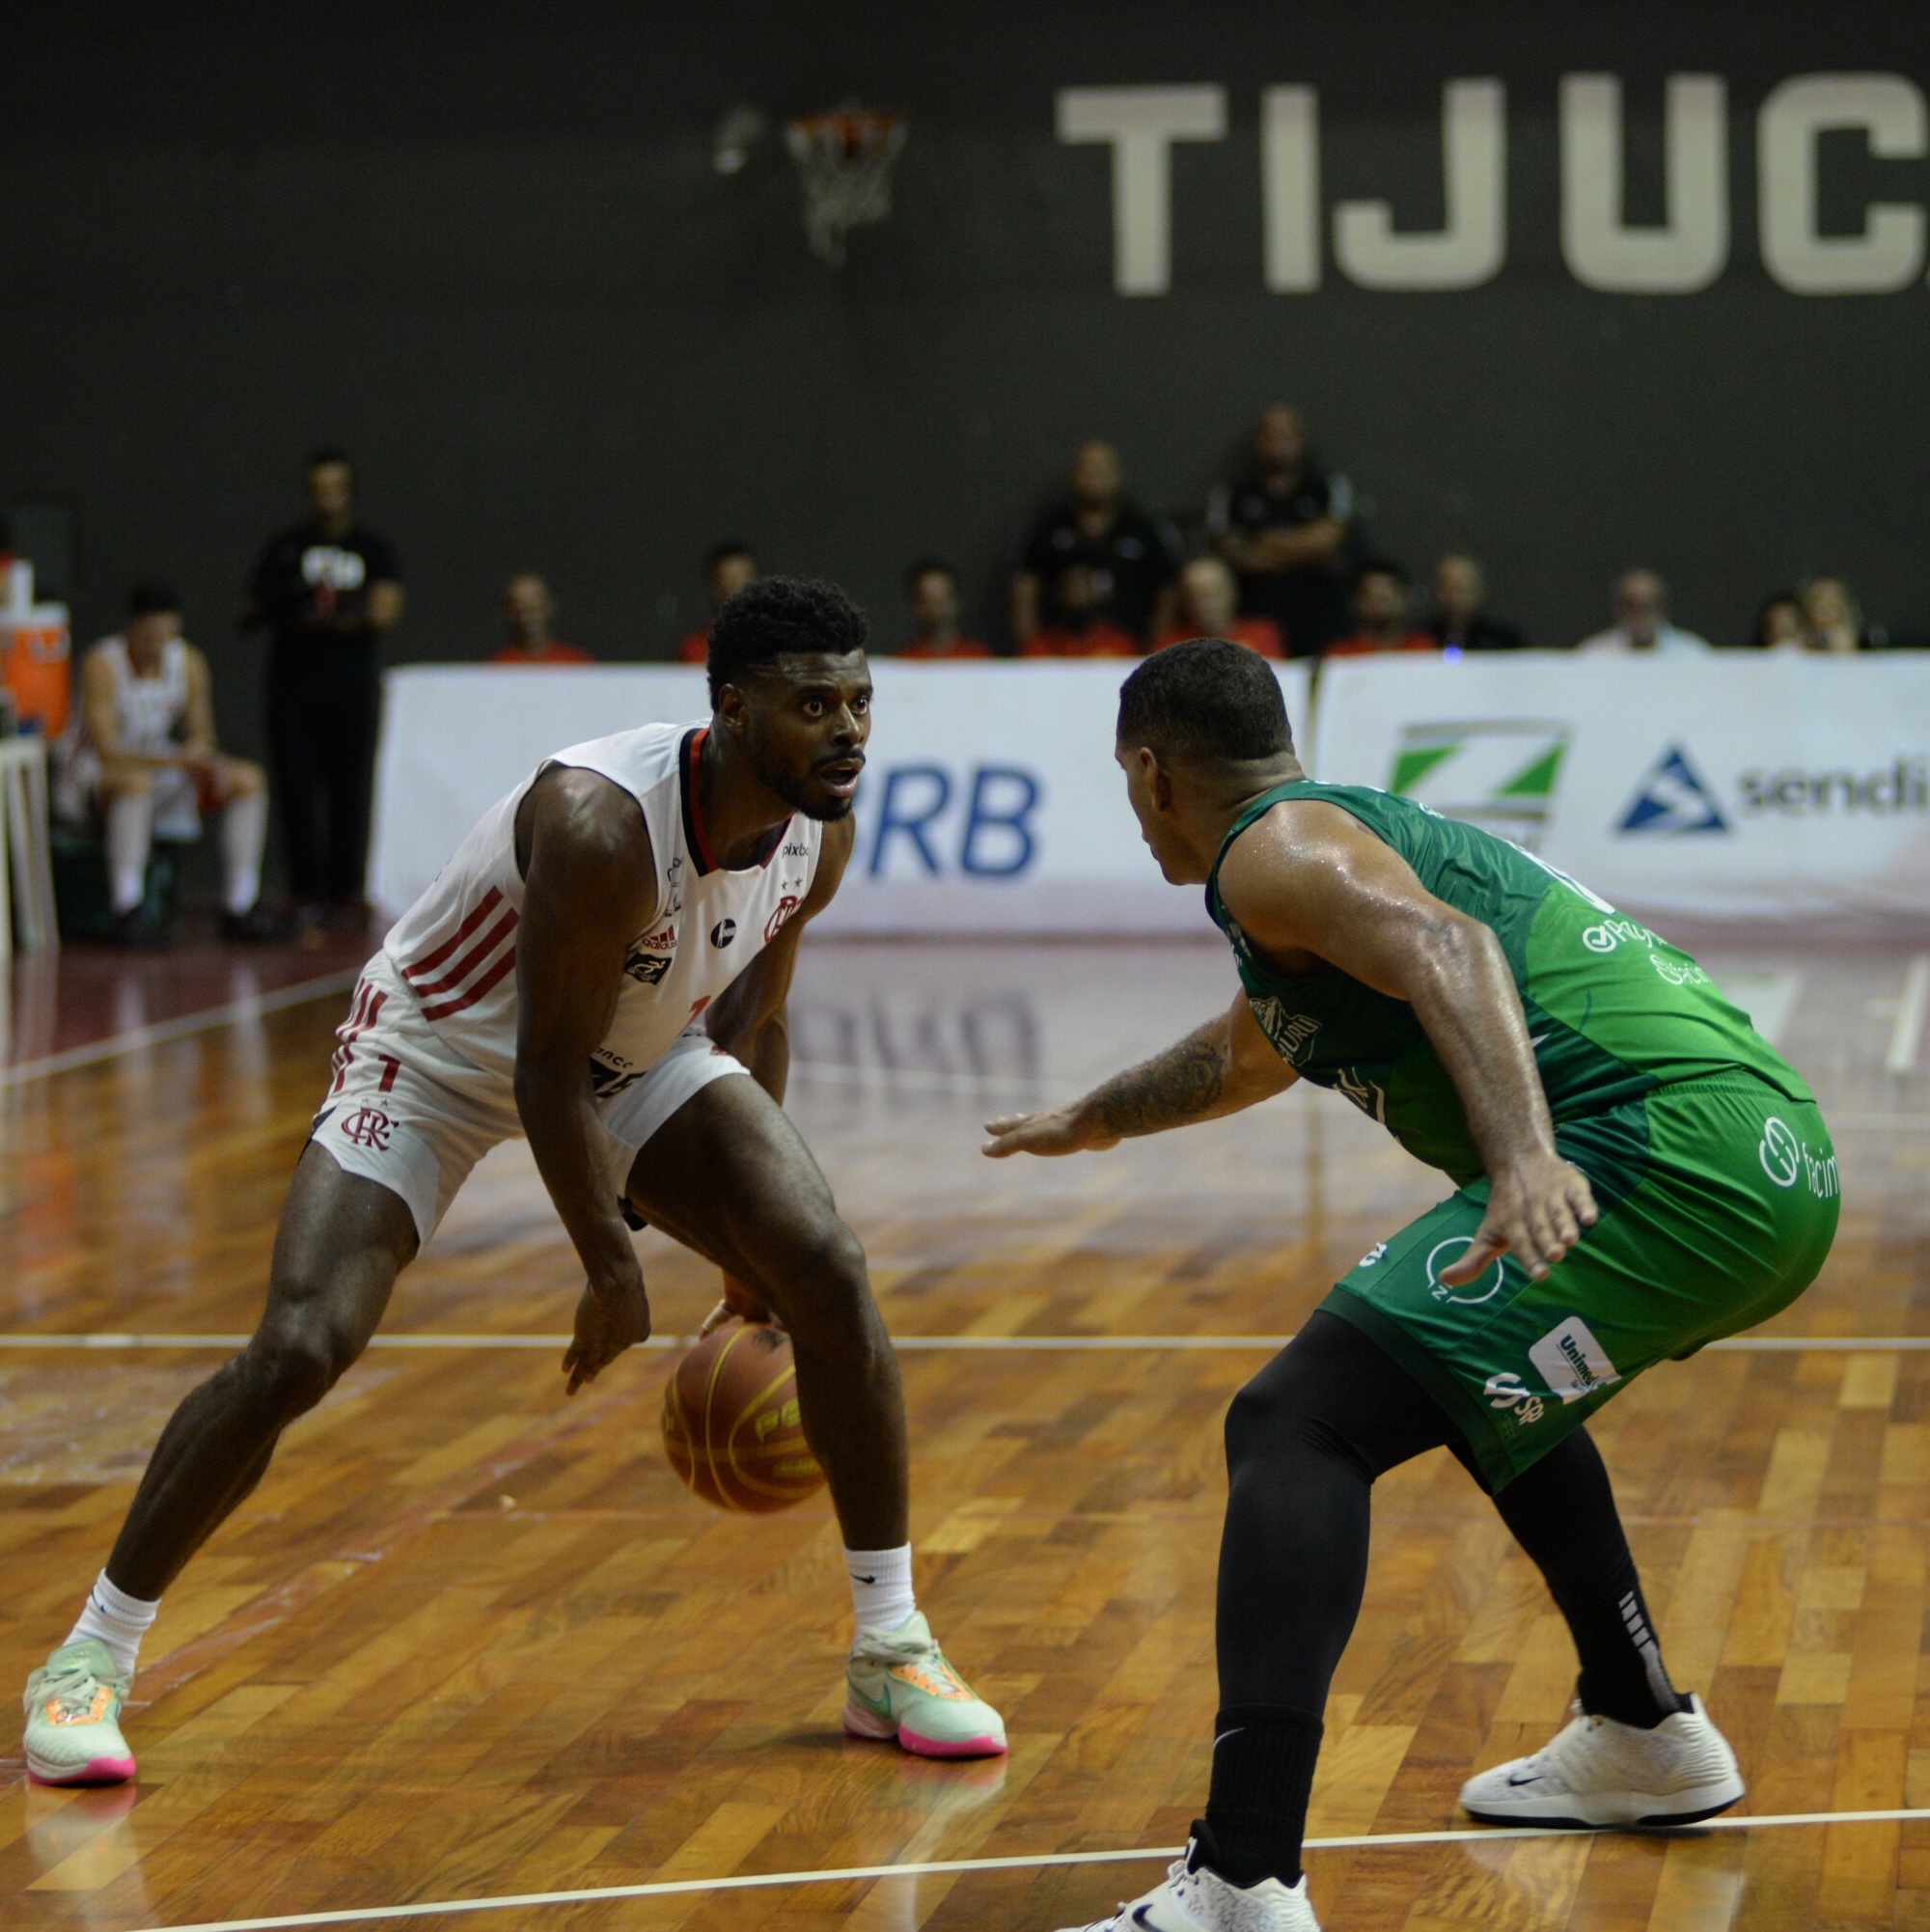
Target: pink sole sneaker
x=861 y=1723
x=96 y=1771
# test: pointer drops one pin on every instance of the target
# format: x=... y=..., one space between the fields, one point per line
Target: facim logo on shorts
x=1572 y=1361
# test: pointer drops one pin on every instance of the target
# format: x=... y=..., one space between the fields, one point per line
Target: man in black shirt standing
x=325 y=591
x=1283 y=524
x=1134 y=561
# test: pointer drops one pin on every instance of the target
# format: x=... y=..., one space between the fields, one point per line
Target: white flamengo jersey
x=454 y=952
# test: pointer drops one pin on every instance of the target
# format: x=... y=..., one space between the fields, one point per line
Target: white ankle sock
x=244 y=830
x=117 y=1620
x=881 y=1593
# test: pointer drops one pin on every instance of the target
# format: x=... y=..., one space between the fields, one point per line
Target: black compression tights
x=1305 y=1441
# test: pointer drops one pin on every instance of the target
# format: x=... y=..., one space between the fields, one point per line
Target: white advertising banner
x=1728 y=786
x=990 y=804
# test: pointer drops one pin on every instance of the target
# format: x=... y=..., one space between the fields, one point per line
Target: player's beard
x=796 y=792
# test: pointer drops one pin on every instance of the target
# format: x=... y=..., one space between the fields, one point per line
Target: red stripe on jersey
x=471 y=959
x=477 y=989
x=491 y=900
x=693 y=806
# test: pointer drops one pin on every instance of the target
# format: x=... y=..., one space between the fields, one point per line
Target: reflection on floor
x=471 y=1639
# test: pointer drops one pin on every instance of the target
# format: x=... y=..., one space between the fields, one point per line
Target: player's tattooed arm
x=1220 y=1068
x=1185 y=1082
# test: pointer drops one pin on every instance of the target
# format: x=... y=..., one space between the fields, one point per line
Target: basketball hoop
x=845 y=163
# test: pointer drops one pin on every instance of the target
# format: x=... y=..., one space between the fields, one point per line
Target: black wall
x=485 y=247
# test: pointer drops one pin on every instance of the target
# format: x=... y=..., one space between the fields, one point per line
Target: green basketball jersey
x=1612 y=1012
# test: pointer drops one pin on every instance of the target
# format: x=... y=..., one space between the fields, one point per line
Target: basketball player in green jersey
x=1634 y=1170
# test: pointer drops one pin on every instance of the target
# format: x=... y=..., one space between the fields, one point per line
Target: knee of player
x=827 y=1261
x=293 y=1364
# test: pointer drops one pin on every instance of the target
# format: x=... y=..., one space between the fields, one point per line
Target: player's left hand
x=613 y=1314
x=1537 y=1207
x=1058 y=1130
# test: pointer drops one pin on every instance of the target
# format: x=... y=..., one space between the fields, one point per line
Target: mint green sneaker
x=73 y=1717
x=900 y=1687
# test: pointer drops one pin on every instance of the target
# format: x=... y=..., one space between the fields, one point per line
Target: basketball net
x=845 y=163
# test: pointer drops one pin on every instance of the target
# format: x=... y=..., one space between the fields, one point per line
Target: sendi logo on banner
x=1674 y=797
x=1498 y=773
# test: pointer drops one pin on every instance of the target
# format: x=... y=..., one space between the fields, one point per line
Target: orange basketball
x=730 y=1425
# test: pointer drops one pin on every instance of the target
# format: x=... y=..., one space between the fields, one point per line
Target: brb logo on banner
x=978 y=824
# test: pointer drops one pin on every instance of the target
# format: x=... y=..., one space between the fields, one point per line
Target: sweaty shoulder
x=1297 y=863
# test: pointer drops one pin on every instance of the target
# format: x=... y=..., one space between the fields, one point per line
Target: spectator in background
x=1380 y=603
x=1460 y=620
x=1130 y=561
x=1642 y=620
x=1079 y=626
x=931 y=588
x=1209 y=599
x=1283 y=525
x=141 y=758
x=527 y=612
x=325 y=591
x=1833 y=619
x=728 y=569
x=1780 y=624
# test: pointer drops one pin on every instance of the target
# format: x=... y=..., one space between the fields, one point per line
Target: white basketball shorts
x=405 y=1110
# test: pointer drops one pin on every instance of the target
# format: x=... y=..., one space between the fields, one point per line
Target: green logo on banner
x=1498 y=773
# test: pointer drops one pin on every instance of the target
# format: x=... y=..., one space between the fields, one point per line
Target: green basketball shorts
x=1719 y=1200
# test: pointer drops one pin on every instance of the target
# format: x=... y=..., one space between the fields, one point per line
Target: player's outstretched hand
x=613 y=1314
x=1062 y=1130
x=1537 y=1207
x=739 y=1302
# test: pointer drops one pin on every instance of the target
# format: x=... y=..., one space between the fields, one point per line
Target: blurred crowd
x=1278 y=558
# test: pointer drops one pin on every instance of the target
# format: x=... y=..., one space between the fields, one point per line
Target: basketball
x=730 y=1425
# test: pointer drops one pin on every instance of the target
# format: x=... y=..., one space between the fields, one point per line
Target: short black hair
x=149 y=597
x=775 y=615
x=927 y=566
x=717 y=553
x=329 y=453
x=1206 y=699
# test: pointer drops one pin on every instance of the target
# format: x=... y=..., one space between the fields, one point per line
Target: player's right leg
x=341 y=1242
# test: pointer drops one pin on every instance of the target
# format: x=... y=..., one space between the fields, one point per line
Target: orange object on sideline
x=694 y=646
x=1261 y=634
x=38 y=668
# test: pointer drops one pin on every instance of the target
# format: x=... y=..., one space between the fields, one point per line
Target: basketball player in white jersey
x=602 y=968
x=142 y=758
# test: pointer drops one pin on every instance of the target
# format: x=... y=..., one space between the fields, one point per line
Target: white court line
x=957 y=1344
x=1039 y=1861
x=163 y=1030
x=1906 y=1037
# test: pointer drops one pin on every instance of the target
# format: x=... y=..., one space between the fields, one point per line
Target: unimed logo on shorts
x=1572 y=1361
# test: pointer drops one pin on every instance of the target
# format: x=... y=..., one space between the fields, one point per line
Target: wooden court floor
x=470 y=1640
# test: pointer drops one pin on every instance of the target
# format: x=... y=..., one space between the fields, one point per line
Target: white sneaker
x=1195 y=1899
x=1598 y=1772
